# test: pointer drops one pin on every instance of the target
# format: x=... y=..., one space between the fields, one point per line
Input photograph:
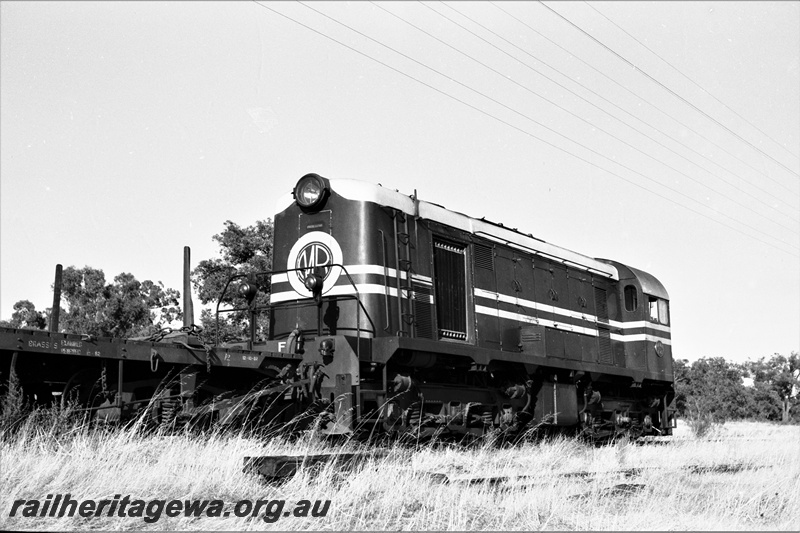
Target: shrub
x=701 y=419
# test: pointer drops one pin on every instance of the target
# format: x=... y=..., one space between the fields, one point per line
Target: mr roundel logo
x=314 y=252
x=659 y=349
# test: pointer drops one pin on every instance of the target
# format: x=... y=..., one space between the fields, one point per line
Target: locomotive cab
x=644 y=320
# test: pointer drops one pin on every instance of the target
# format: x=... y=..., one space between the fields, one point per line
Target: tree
x=124 y=308
x=245 y=250
x=766 y=403
x=681 y=369
x=711 y=386
x=778 y=381
x=26 y=316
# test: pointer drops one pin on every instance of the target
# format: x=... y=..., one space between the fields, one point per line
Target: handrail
x=270 y=273
x=386 y=284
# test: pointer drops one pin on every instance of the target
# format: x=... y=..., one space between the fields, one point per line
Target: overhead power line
x=517 y=112
x=525 y=132
x=645 y=101
x=613 y=117
x=676 y=69
x=579 y=117
x=675 y=94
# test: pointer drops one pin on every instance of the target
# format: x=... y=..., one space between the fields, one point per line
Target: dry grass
x=397 y=492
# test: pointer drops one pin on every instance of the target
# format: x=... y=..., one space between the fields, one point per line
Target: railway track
x=727 y=468
x=281 y=467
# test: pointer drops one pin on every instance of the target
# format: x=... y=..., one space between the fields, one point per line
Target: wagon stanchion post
x=188 y=306
x=54 y=316
x=120 y=382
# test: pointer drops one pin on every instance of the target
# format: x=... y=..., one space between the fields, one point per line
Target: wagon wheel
x=163 y=408
x=82 y=388
x=37 y=394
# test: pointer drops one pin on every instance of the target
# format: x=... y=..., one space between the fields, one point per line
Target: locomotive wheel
x=82 y=388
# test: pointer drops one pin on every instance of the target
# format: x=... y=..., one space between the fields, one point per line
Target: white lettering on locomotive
x=315 y=252
x=314 y=258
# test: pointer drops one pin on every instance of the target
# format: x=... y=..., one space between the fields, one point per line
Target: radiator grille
x=451 y=290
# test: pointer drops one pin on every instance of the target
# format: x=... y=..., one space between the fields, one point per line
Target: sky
x=664 y=135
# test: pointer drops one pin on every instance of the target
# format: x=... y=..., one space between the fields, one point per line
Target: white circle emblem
x=315 y=251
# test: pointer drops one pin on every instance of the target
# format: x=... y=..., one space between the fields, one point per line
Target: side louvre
x=605 y=355
x=484 y=256
x=604 y=344
x=423 y=310
x=601 y=304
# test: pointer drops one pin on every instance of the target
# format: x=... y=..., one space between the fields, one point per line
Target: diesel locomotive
x=389 y=315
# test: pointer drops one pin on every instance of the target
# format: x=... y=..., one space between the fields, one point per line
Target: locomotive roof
x=370 y=192
x=650 y=285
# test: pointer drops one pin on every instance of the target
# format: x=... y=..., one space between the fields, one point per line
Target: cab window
x=663 y=311
x=659 y=310
x=631 y=298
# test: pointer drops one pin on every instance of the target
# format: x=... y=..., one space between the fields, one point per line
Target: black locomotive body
x=390 y=315
x=449 y=323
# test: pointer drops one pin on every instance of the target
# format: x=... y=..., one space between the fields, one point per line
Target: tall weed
x=13 y=405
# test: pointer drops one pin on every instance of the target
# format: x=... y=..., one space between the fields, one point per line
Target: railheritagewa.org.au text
x=269 y=510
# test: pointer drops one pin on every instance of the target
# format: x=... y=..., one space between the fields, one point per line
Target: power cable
x=621 y=109
x=525 y=132
x=587 y=121
x=612 y=80
x=676 y=69
x=676 y=95
x=595 y=152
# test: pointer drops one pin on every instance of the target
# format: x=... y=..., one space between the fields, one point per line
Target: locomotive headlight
x=247 y=291
x=310 y=191
x=313 y=282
